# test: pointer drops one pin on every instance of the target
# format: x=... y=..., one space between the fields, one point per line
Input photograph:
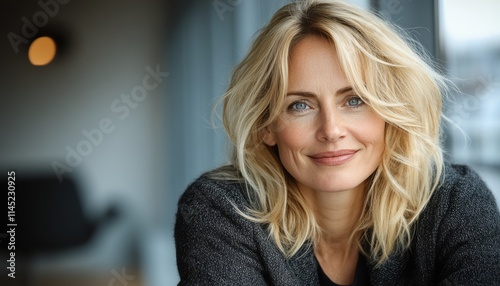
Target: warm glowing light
x=42 y=51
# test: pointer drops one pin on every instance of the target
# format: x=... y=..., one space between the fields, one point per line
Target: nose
x=331 y=126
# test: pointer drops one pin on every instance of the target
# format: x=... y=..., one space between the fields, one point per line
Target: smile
x=334 y=158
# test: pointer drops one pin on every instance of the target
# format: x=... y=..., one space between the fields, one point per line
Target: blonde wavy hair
x=389 y=72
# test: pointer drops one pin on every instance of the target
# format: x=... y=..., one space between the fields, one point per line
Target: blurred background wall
x=105 y=50
x=145 y=75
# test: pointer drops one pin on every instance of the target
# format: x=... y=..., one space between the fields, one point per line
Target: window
x=470 y=48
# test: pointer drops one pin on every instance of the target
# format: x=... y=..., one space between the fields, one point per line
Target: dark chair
x=50 y=218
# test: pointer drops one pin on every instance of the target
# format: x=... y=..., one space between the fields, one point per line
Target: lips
x=334 y=158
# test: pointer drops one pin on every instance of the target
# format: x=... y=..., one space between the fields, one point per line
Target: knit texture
x=456 y=241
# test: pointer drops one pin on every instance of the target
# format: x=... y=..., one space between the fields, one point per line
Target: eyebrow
x=311 y=94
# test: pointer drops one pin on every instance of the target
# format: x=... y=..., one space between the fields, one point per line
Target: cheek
x=369 y=129
x=374 y=133
x=291 y=134
x=288 y=140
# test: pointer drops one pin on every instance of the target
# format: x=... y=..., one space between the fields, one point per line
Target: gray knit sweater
x=457 y=240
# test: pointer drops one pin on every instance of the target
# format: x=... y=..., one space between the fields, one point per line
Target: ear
x=268 y=136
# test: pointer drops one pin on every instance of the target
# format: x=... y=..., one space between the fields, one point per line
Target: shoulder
x=461 y=176
x=211 y=209
x=462 y=196
x=212 y=195
x=458 y=234
x=215 y=243
x=461 y=187
x=214 y=188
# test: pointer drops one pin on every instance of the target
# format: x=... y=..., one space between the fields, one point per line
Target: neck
x=337 y=214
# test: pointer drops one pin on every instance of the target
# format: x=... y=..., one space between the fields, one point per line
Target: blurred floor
x=104 y=279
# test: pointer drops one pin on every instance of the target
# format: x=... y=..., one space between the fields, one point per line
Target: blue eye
x=354 y=102
x=298 y=106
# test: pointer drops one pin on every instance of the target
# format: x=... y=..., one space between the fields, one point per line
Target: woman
x=337 y=174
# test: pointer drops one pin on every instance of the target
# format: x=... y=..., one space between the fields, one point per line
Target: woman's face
x=328 y=139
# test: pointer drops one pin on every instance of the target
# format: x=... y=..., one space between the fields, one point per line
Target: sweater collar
x=304 y=266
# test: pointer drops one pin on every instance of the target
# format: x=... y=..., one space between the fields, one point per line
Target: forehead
x=314 y=65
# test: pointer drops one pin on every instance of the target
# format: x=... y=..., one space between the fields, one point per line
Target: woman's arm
x=214 y=244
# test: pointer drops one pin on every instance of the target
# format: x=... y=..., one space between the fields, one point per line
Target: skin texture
x=330 y=141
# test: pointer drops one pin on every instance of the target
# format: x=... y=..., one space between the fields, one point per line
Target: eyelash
x=292 y=106
x=360 y=101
